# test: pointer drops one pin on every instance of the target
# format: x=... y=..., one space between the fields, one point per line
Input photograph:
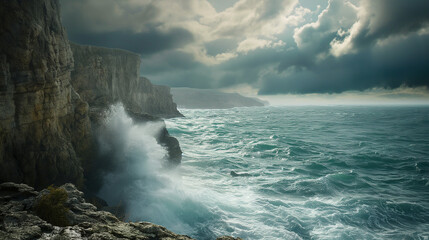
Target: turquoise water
x=316 y=172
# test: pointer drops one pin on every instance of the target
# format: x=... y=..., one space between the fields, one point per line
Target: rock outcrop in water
x=44 y=124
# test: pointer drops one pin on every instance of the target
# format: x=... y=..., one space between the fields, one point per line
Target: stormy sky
x=264 y=46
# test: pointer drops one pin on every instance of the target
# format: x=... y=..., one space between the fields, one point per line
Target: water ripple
x=313 y=172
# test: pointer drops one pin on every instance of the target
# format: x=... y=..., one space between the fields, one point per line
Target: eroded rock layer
x=44 y=125
x=18 y=220
x=46 y=133
x=103 y=76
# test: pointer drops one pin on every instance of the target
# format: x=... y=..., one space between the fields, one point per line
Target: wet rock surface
x=18 y=220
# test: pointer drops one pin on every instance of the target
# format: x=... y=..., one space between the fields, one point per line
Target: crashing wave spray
x=137 y=179
x=130 y=150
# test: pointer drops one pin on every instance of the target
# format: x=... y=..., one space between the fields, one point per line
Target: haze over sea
x=316 y=172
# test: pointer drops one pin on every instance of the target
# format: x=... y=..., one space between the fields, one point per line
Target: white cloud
x=381 y=20
x=338 y=17
x=298 y=16
x=250 y=18
x=251 y=44
x=252 y=24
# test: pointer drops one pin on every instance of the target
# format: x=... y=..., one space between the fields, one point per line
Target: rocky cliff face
x=157 y=100
x=103 y=76
x=44 y=125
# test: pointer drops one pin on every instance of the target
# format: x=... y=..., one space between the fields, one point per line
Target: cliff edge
x=103 y=76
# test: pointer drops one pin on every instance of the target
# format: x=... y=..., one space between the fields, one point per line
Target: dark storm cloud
x=399 y=63
x=240 y=70
x=121 y=24
x=169 y=61
x=362 y=61
x=148 y=42
x=340 y=46
x=220 y=46
x=203 y=77
x=385 y=18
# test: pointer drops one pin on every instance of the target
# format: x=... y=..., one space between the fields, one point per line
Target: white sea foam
x=311 y=181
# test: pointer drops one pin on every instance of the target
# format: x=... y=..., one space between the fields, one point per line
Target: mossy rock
x=51 y=207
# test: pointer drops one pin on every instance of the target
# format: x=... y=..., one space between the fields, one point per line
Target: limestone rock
x=103 y=76
x=228 y=238
x=18 y=221
x=44 y=125
x=164 y=138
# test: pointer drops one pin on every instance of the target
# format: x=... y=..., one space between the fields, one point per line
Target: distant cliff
x=44 y=125
x=211 y=99
x=103 y=76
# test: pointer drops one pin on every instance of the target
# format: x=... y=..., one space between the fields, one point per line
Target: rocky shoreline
x=18 y=219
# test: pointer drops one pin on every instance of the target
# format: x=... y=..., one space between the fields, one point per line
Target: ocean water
x=334 y=172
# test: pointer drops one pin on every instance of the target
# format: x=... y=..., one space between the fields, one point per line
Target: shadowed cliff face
x=104 y=76
x=44 y=125
x=46 y=136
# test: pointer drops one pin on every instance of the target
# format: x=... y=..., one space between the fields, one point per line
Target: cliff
x=103 y=76
x=211 y=99
x=157 y=100
x=44 y=125
x=46 y=132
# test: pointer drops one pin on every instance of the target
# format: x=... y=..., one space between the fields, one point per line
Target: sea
x=300 y=172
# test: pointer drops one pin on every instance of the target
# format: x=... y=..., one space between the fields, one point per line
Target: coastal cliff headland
x=54 y=97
